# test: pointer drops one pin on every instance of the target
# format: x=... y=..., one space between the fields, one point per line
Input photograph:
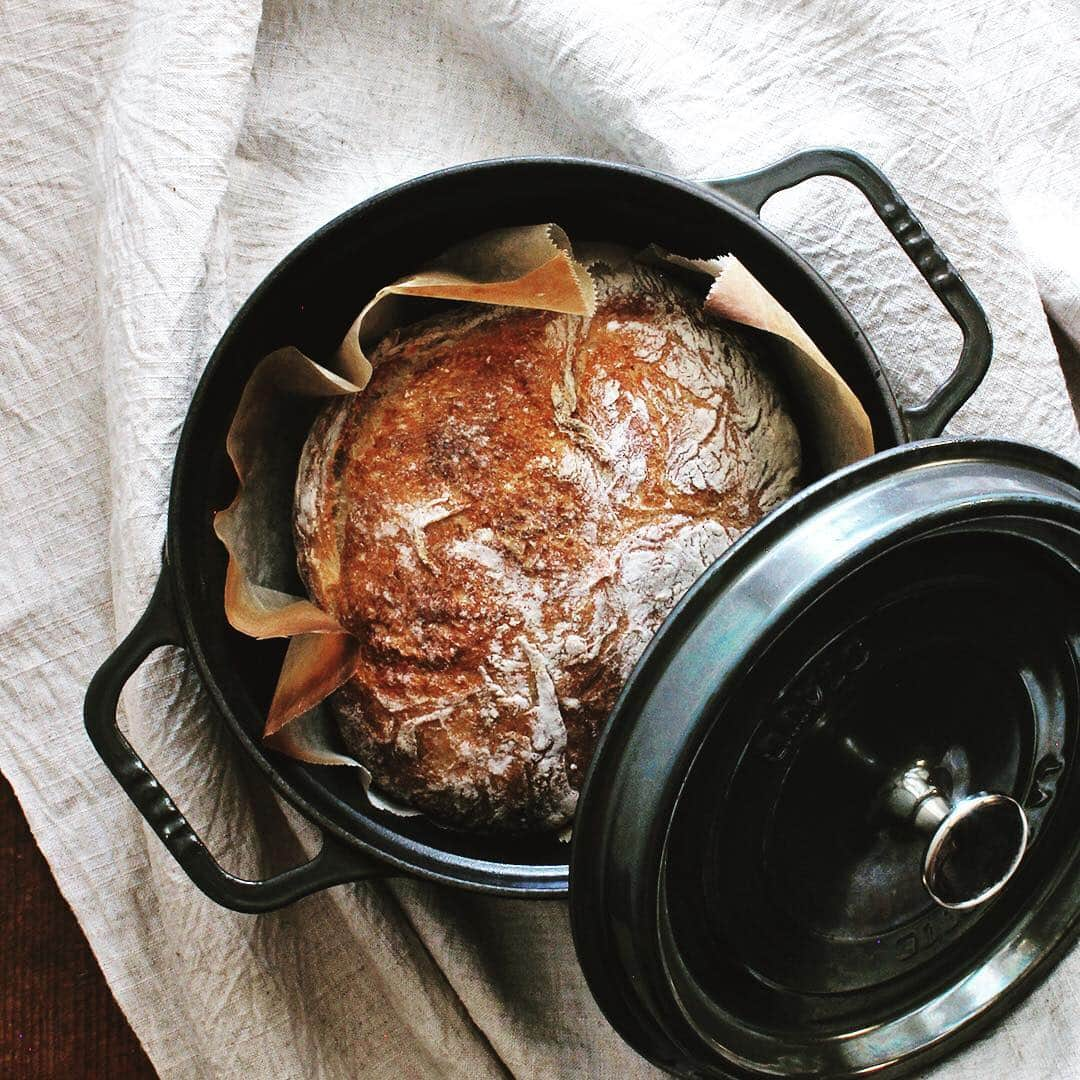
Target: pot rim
x=383 y=842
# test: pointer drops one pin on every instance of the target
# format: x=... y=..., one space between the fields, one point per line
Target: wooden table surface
x=57 y=1015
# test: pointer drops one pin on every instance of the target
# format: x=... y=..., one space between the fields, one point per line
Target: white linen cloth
x=158 y=157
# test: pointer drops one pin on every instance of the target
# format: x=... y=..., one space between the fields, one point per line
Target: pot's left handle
x=753 y=190
x=333 y=865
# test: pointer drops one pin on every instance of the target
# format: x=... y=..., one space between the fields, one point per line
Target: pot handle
x=752 y=190
x=333 y=865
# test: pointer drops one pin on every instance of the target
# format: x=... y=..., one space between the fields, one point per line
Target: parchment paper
x=833 y=418
x=529 y=267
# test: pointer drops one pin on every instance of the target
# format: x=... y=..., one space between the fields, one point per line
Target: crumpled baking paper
x=529 y=267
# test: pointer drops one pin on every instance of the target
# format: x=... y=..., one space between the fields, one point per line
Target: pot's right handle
x=753 y=189
x=335 y=863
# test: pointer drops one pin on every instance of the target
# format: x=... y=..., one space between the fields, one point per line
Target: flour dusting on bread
x=506 y=516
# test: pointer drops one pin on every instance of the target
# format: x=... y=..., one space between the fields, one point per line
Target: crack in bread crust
x=505 y=517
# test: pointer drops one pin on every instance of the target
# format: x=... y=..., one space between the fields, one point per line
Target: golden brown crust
x=504 y=518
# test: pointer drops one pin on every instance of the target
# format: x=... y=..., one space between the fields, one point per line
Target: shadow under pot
x=832 y=824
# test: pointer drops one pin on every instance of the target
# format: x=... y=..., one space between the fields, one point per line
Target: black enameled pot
x=689 y=831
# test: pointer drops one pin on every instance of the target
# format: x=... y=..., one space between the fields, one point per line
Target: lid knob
x=976 y=844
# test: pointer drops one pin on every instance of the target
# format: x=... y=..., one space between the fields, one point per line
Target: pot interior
x=308 y=301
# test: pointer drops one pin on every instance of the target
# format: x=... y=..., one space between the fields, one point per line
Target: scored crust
x=506 y=515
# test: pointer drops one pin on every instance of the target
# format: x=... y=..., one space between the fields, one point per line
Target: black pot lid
x=834 y=821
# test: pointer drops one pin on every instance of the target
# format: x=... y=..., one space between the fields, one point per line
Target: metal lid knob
x=976 y=844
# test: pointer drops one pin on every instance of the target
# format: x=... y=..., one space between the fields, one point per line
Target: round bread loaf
x=506 y=515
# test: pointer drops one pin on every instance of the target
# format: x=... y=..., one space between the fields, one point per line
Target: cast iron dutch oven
x=833 y=822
